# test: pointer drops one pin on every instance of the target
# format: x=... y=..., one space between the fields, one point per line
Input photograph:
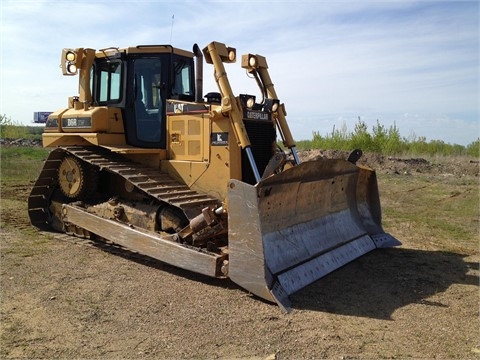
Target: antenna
x=171 y=29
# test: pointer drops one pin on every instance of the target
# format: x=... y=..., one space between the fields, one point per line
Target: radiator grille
x=262 y=137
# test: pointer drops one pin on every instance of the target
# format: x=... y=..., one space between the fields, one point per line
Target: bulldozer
x=212 y=183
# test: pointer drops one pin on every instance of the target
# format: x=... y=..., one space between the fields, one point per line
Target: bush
x=11 y=130
x=473 y=149
x=385 y=141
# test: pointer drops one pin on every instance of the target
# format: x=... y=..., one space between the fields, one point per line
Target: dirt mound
x=457 y=166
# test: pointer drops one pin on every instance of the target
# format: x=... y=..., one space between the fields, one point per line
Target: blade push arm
x=258 y=64
x=217 y=53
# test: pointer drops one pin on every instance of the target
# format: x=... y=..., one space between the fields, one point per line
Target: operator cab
x=139 y=81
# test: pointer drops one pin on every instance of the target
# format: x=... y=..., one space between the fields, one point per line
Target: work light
x=69 y=62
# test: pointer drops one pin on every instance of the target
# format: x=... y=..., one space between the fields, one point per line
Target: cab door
x=145 y=109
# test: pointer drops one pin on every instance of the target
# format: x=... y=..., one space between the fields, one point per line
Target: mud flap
x=297 y=226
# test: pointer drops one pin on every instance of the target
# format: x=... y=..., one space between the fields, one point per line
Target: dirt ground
x=66 y=298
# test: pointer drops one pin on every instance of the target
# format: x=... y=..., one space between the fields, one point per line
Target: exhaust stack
x=198 y=73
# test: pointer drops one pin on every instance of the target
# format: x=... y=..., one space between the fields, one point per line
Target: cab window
x=109 y=80
x=182 y=83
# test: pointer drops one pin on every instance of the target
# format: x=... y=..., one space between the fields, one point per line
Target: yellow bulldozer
x=142 y=158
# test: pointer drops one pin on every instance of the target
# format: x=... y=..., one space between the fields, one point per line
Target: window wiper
x=114 y=53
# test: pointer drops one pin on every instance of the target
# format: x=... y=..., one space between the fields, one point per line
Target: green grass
x=443 y=212
x=26 y=152
x=19 y=168
x=21 y=165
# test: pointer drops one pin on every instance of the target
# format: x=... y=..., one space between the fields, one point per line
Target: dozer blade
x=297 y=226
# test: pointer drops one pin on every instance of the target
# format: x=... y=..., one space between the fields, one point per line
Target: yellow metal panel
x=82 y=139
x=194 y=148
x=177 y=125
x=185 y=139
x=197 y=158
x=114 y=121
x=100 y=120
x=177 y=150
x=194 y=127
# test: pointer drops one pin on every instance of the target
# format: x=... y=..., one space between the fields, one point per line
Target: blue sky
x=412 y=63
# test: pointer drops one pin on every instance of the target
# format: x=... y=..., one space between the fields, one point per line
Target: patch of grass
x=442 y=212
x=32 y=153
x=21 y=165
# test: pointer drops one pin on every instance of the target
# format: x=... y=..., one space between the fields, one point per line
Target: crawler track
x=150 y=181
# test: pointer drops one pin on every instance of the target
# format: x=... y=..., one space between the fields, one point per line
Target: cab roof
x=143 y=49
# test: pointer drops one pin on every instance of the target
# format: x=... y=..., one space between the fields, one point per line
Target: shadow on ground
x=373 y=286
x=380 y=282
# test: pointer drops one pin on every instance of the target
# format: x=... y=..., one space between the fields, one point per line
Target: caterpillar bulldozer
x=141 y=158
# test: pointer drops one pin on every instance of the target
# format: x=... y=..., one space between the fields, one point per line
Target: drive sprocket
x=76 y=179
